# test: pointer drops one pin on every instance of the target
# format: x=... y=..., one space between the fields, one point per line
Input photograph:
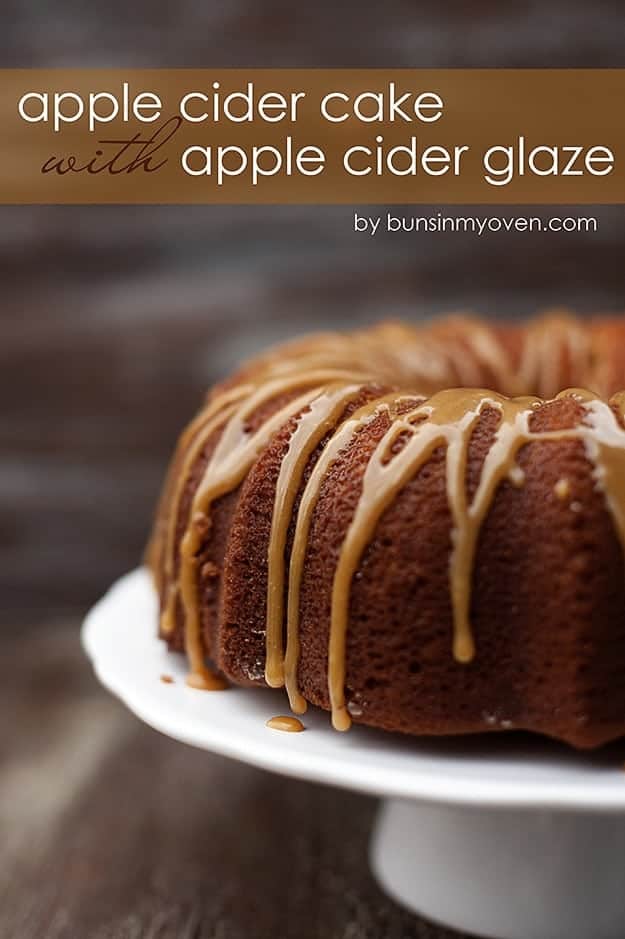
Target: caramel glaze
x=313 y=425
x=291 y=725
x=230 y=412
x=419 y=425
x=546 y=354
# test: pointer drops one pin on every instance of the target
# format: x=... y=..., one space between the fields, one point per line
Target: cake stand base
x=514 y=838
x=504 y=874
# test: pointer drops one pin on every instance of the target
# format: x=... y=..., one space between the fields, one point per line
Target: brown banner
x=312 y=136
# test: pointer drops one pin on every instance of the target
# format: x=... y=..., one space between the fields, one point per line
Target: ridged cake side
x=435 y=563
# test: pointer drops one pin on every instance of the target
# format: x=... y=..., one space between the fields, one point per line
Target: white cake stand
x=504 y=836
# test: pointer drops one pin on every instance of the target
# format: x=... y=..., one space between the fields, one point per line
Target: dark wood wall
x=113 y=320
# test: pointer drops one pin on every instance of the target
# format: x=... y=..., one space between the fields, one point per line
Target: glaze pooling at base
x=319 y=384
x=289 y=725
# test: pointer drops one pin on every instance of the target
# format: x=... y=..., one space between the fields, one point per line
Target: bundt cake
x=353 y=517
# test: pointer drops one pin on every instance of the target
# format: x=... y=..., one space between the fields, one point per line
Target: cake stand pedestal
x=503 y=836
x=508 y=874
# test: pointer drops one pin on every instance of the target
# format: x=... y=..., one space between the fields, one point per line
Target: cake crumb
x=167 y=679
x=562 y=489
x=576 y=506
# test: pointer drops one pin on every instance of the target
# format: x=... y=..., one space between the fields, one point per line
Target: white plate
x=119 y=636
x=504 y=835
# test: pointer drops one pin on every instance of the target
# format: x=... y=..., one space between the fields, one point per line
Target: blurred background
x=113 y=321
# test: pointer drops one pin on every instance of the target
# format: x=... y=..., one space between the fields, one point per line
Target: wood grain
x=113 y=320
x=111 y=831
x=107 y=349
x=112 y=323
x=454 y=34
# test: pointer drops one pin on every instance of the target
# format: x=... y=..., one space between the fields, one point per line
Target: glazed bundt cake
x=352 y=517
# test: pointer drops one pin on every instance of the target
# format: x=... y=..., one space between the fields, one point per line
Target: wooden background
x=112 y=322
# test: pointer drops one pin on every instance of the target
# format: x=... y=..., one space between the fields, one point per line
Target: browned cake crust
x=543 y=648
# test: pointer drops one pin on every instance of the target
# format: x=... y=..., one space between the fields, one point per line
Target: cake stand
x=503 y=836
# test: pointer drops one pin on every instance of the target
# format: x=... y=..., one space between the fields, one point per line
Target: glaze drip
x=447 y=419
x=451 y=417
x=290 y=725
x=237 y=448
x=312 y=427
x=320 y=381
x=335 y=446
